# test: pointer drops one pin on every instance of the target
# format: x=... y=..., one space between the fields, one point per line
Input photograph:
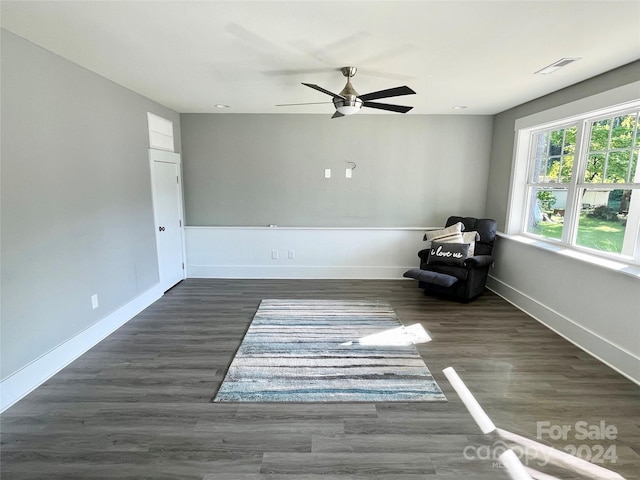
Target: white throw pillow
x=471 y=238
x=451 y=234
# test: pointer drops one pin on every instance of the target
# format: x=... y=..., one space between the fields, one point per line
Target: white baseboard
x=622 y=361
x=297 y=272
x=27 y=379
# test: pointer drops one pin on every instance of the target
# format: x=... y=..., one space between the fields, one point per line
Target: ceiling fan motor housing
x=348 y=101
x=349 y=98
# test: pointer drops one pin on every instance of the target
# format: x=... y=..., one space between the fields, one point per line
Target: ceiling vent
x=563 y=62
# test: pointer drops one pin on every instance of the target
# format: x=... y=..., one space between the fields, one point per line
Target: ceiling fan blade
x=320 y=89
x=337 y=115
x=307 y=103
x=390 y=92
x=386 y=106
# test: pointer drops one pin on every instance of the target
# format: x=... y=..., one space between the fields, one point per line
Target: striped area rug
x=308 y=351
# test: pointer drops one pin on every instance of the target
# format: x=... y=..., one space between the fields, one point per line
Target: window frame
x=523 y=183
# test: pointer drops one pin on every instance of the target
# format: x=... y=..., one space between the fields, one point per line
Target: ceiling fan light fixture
x=347 y=106
x=348 y=110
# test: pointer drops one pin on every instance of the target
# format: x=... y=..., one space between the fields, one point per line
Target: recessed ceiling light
x=220 y=105
x=459 y=107
x=563 y=62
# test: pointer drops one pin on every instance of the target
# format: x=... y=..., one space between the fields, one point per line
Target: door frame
x=175 y=158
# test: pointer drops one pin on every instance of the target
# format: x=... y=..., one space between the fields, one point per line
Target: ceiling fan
x=348 y=101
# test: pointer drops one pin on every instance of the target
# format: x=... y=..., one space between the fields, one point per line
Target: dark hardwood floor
x=137 y=405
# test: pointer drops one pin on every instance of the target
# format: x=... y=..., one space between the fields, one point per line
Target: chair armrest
x=479 y=261
x=424 y=254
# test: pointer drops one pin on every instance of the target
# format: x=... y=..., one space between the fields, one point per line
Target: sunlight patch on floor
x=396 y=336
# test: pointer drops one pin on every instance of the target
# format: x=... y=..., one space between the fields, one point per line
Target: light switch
x=327 y=173
x=347 y=173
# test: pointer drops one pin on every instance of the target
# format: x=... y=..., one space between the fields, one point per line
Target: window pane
x=595 y=168
x=570 y=141
x=539 y=170
x=603 y=219
x=555 y=145
x=565 y=170
x=600 y=135
x=553 y=155
x=611 y=155
x=617 y=167
x=546 y=211
x=622 y=133
x=540 y=154
x=553 y=170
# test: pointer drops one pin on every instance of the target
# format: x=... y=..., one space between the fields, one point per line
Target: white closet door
x=167 y=204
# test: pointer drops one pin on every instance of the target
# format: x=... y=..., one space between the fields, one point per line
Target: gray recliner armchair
x=447 y=270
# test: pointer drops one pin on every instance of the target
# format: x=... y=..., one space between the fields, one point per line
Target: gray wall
x=412 y=170
x=76 y=209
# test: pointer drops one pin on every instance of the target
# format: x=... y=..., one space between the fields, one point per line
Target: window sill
x=620 y=266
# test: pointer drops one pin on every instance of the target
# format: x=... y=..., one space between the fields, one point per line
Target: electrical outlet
x=274 y=254
x=94 y=301
x=327 y=173
x=292 y=254
x=347 y=173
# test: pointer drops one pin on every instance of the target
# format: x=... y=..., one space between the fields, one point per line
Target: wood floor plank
x=138 y=404
x=389 y=464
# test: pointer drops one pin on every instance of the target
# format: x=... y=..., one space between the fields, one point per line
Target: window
x=581 y=184
x=160 y=133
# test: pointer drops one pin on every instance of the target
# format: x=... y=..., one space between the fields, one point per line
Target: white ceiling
x=192 y=55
